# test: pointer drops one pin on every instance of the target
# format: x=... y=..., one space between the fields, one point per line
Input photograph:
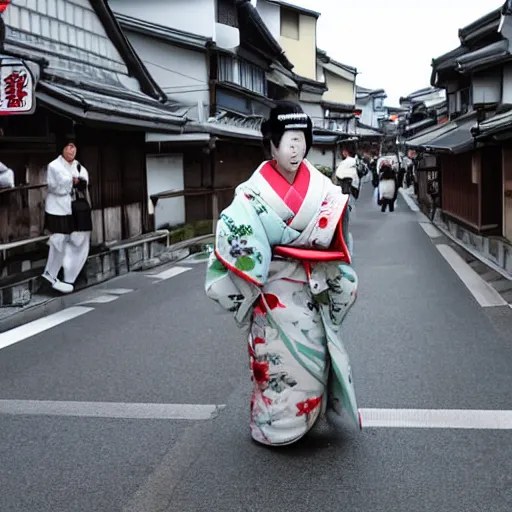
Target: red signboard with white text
x=17 y=88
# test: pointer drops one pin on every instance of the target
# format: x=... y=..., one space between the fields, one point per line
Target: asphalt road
x=417 y=339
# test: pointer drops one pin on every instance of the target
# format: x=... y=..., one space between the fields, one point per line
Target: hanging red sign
x=3 y=5
x=17 y=94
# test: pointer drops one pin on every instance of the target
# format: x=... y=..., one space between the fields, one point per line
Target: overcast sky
x=392 y=42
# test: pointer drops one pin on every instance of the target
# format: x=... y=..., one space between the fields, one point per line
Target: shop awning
x=428 y=134
x=278 y=77
x=454 y=137
x=424 y=123
x=496 y=124
x=133 y=111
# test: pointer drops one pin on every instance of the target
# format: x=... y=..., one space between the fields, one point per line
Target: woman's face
x=69 y=152
x=290 y=152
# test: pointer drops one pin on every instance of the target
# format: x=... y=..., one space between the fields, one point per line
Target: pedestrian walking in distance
x=282 y=266
x=388 y=188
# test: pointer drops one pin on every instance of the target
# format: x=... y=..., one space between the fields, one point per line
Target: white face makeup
x=291 y=151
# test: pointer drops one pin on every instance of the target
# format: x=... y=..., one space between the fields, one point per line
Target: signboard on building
x=17 y=87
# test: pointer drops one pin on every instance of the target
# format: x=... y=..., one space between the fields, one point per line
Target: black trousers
x=387 y=202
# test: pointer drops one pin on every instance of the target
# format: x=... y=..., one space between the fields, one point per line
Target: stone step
x=502 y=286
x=507 y=296
x=491 y=276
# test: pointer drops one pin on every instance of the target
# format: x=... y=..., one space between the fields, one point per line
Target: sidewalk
x=47 y=301
x=498 y=278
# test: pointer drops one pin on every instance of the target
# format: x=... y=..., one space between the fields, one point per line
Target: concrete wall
x=180 y=72
x=321 y=156
x=302 y=52
x=165 y=172
x=340 y=89
x=271 y=15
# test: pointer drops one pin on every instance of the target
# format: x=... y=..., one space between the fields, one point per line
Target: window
x=242 y=73
x=227 y=13
x=378 y=104
x=290 y=23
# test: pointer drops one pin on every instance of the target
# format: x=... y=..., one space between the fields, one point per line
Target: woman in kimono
x=282 y=266
x=70 y=235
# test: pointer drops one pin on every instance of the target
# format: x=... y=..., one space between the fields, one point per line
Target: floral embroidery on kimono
x=281 y=265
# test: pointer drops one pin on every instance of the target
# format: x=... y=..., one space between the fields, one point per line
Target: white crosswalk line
x=13 y=336
x=436 y=418
x=111 y=409
x=119 y=291
x=171 y=272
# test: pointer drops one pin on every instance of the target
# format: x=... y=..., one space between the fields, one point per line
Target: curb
x=56 y=304
x=414 y=207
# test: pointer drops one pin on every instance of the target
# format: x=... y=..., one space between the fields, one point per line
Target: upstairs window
x=290 y=23
x=378 y=104
x=227 y=13
x=242 y=73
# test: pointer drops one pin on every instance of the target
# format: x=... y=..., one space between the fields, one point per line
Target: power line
x=176 y=72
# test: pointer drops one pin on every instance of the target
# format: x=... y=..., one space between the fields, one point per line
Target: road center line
x=484 y=293
x=111 y=410
x=170 y=272
x=436 y=418
x=37 y=326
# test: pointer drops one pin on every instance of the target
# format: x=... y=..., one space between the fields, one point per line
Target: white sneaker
x=62 y=287
x=48 y=277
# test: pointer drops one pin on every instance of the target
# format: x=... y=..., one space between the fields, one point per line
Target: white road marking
x=484 y=293
x=101 y=299
x=409 y=200
x=119 y=291
x=436 y=418
x=37 y=326
x=430 y=230
x=170 y=272
x=111 y=410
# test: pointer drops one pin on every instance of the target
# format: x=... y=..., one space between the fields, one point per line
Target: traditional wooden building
x=89 y=82
x=471 y=149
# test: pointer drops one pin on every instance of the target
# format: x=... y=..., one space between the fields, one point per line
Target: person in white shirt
x=70 y=235
x=347 y=174
x=6 y=176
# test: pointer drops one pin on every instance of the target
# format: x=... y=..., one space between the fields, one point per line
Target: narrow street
x=417 y=337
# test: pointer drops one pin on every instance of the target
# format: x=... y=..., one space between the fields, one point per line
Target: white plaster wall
x=507 y=84
x=165 y=172
x=271 y=15
x=321 y=156
x=193 y=16
x=315 y=111
x=487 y=86
x=181 y=73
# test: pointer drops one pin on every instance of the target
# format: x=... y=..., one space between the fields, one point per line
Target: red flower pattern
x=273 y=301
x=322 y=223
x=259 y=341
x=308 y=406
x=260 y=371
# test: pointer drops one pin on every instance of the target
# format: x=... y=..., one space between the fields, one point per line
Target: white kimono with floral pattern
x=282 y=266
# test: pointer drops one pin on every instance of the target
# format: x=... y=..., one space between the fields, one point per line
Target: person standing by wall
x=67 y=218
